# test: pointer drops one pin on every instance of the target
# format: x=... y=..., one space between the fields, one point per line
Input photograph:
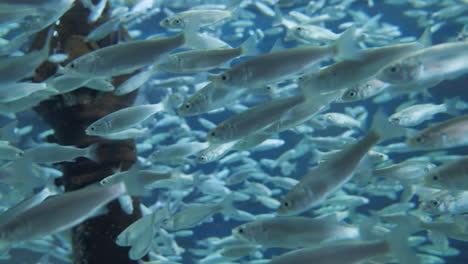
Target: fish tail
x=133 y=182
x=279 y=19
x=383 y=129
x=319 y=156
x=227 y=205
x=8 y=131
x=92 y=153
x=408 y=192
x=371 y=23
x=451 y=106
x=46 y=49
x=234 y=6
x=366 y=228
x=397 y=239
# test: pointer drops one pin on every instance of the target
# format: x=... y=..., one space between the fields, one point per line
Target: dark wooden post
x=94 y=240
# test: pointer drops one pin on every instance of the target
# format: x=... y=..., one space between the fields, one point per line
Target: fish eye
x=213 y=134
x=92 y=128
x=240 y=231
x=299 y=28
x=435 y=178
x=394 y=69
x=177 y=21
x=286 y=204
x=187 y=106
x=352 y=93
x=202 y=158
x=419 y=139
x=435 y=203
x=224 y=77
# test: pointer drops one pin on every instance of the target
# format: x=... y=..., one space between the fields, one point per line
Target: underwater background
x=176 y=127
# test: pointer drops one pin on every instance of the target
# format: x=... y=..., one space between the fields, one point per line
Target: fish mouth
x=394 y=121
x=282 y=211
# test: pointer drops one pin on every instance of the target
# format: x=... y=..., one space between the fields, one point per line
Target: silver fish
x=295 y=232
x=440 y=62
x=447 y=134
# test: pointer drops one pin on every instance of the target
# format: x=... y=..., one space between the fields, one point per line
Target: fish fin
x=345 y=47
x=142 y=246
x=126 y=204
x=249 y=47
x=192 y=39
x=383 y=128
x=92 y=152
x=8 y=131
x=278 y=45
x=426 y=38
x=314 y=97
x=451 y=106
x=461 y=223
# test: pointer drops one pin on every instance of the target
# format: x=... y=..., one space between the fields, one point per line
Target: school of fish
x=304 y=131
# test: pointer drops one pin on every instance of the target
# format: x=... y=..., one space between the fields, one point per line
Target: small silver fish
x=274 y=66
x=195 y=18
x=122 y=119
x=329 y=176
x=194 y=61
x=452 y=175
x=363 y=91
x=253 y=120
x=440 y=62
x=58 y=214
x=295 y=232
x=129 y=56
x=416 y=114
x=446 y=202
x=447 y=134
